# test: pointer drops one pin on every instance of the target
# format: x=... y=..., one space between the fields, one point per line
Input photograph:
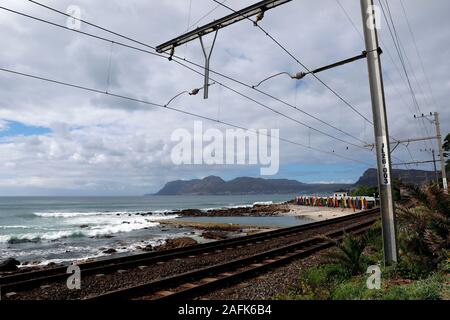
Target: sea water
x=62 y=229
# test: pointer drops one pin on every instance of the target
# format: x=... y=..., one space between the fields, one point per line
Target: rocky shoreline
x=209 y=231
x=258 y=210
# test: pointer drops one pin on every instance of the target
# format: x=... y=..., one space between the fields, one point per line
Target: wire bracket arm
x=207 y=63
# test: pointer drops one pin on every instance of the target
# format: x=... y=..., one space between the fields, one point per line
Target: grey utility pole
x=441 y=151
x=381 y=132
x=436 y=176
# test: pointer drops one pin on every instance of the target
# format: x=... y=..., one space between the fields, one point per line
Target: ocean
x=40 y=230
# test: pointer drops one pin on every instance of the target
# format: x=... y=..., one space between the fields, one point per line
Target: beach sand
x=317 y=213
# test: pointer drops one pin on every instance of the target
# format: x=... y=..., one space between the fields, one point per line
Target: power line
x=205 y=15
x=301 y=64
x=402 y=48
x=195 y=64
x=394 y=37
x=203 y=67
x=92 y=90
x=418 y=52
x=402 y=56
x=398 y=47
x=385 y=49
x=350 y=19
x=385 y=74
x=403 y=52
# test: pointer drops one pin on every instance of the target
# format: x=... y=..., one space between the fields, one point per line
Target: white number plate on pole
x=385 y=178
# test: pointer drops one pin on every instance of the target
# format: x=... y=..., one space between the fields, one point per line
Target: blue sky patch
x=14 y=129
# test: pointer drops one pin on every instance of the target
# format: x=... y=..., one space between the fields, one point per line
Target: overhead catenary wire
x=116 y=95
x=199 y=66
x=398 y=47
x=227 y=77
x=418 y=52
x=207 y=14
x=385 y=48
x=97 y=91
x=402 y=49
x=301 y=64
x=426 y=143
x=196 y=71
x=255 y=23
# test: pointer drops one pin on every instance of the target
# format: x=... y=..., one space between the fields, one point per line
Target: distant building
x=340 y=195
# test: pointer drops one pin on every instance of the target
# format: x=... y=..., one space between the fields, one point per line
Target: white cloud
x=3 y=125
x=109 y=145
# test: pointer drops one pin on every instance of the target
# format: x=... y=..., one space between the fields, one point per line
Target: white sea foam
x=92 y=254
x=264 y=203
x=96 y=227
x=14 y=227
x=36 y=237
x=82 y=214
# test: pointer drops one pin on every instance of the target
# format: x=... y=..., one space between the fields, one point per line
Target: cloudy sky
x=56 y=140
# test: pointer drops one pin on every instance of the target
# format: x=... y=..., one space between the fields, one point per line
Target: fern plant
x=424 y=223
x=349 y=253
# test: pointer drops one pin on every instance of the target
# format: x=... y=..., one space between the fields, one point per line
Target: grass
x=422 y=272
x=341 y=275
x=328 y=282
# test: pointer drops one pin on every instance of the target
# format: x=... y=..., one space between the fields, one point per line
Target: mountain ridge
x=214 y=185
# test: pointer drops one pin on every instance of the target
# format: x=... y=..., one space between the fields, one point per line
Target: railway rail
x=29 y=280
x=200 y=281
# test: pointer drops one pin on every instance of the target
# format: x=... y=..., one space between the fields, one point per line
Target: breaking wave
x=85 y=224
x=265 y=203
x=94 y=232
x=53 y=214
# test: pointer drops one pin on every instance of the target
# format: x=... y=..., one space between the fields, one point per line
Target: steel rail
x=201 y=280
x=35 y=278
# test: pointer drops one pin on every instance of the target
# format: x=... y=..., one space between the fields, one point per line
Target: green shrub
x=424 y=229
x=362 y=191
x=396 y=293
x=317 y=283
x=430 y=288
x=353 y=289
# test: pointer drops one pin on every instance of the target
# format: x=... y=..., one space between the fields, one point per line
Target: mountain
x=244 y=185
x=418 y=177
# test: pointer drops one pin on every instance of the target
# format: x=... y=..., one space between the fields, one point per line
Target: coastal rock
x=176 y=243
x=255 y=211
x=21 y=241
x=191 y=212
x=84 y=226
x=215 y=235
x=9 y=264
x=105 y=236
x=110 y=251
x=148 y=248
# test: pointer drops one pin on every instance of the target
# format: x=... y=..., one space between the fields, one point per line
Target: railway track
x=29 y=280
x=191 y=284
